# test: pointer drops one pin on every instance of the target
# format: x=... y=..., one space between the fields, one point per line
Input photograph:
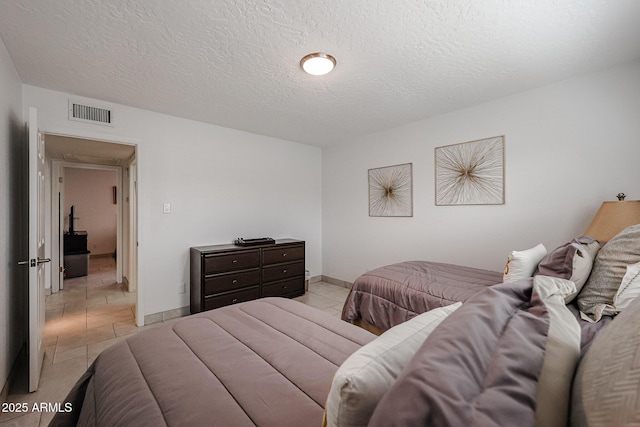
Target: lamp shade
x=612 y=218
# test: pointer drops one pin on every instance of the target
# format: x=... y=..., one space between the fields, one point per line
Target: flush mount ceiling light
x=318 y=64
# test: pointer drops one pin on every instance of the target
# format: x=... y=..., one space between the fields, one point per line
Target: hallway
x=89 y=310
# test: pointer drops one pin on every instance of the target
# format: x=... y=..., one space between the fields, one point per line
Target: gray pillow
x=605 y=388
x=608 y=270
x=571 y=261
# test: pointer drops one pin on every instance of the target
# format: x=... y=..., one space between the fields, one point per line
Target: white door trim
x=58 y=187
x=115 y=139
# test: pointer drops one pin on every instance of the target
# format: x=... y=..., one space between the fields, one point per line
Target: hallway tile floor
x=89 y=315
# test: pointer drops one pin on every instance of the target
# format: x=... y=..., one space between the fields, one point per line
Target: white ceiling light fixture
x=318 y=64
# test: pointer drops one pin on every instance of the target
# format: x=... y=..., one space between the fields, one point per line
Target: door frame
x=132 y=253
x=57 y=212
x=133 y=234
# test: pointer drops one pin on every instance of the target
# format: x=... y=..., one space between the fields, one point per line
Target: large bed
x=390 y=295
x=267 y=362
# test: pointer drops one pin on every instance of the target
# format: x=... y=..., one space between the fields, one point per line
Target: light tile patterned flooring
x=89 y=315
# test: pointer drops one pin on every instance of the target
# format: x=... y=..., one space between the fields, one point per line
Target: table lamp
x=613 y=217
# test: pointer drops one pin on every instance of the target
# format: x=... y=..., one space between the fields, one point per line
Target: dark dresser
x=227 y=274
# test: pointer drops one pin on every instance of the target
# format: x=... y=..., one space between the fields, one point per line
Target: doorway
x=91 y=218
x=71 y=157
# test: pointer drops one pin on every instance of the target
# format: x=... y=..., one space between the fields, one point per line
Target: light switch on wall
x=166 y=208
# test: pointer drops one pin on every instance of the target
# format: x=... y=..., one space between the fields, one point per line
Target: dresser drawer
x=282 y=271
x=284 y=288
x=239 y=260
x=228 y=281
x=232 y=298
x=286 y=254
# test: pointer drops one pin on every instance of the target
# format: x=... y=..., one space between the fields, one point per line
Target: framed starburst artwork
x=391 y=190
x=470 y=173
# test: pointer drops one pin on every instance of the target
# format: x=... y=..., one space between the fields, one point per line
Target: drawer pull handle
x=284 y=287
x=235 y=261
x=284 y=254
x=234 y=281
x=284 y=271
x=235 y=300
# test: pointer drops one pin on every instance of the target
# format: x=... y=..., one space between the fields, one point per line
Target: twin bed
x=390 y=295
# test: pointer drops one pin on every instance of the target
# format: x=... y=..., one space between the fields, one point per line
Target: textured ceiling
x=235 y=63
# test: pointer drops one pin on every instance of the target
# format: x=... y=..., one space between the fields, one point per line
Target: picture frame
x=391 y=191
x=470 y=173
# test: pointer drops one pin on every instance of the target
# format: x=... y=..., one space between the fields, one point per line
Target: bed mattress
x=267 y=362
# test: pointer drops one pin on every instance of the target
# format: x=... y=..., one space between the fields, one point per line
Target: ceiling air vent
x=89 y=114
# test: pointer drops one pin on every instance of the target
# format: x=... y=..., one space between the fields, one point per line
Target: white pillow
x=571 y=261
x=522 y=264
x=629 y=289
x=367 y=374
x=582 y=267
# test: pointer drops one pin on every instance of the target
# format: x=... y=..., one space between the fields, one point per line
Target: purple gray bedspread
x=267 y=362
x=390 y=295
x=480 y=367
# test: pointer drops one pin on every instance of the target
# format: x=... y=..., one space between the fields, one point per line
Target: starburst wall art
x=391 y=191
x=470 y=173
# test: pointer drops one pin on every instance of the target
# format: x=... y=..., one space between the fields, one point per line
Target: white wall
x=91 y=192
x=12 y=158
x=221 y=184
x=569 y=146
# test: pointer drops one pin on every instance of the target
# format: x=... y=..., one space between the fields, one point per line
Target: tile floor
x=89 y=315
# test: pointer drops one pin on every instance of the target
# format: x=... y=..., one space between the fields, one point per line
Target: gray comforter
x=390 y=295
x=267 y=362
x=501 y=359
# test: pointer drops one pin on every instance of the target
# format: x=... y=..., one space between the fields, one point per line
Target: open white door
x=59 y=265
x=36 y=259
x=133 y=227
